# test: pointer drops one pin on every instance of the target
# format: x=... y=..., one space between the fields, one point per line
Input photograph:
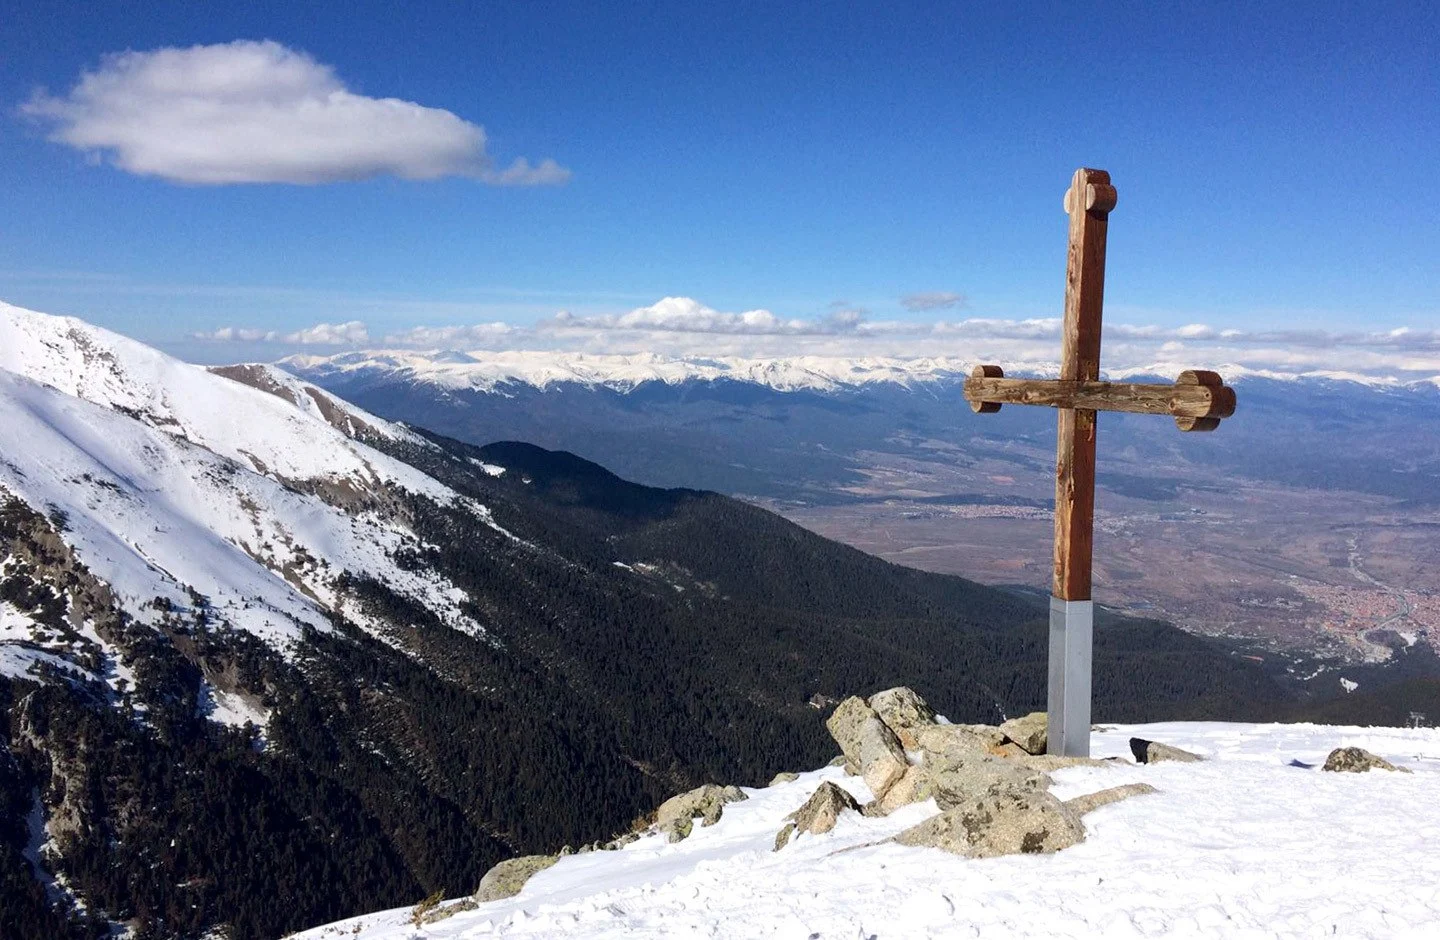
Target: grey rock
x=1011 y=823
x=839 y=760
x=507 y=878
x=1153 y=752
x=782 y=838
x=956 y=779
x=913 y=787
x=707 y=802
x=903 y=712
x=938 y=739
x=1029 y=732
x=679 y=829
x=868 y=743
x=1081 y=805
x=824 y=807
x=445 y=911
x=1356 y=760
x=784 y=776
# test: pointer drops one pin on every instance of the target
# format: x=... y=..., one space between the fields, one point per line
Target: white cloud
x=353 y=333
x=258 y=112
x=687 y=315
x=933 y=300
x=481 y=335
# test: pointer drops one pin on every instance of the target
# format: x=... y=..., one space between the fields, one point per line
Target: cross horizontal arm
x=1195 y=396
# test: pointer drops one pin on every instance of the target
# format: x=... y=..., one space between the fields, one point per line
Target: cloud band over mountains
x=259 y=112
x=682 y=326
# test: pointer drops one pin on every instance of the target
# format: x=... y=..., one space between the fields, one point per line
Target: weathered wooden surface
x=1191 y=401
x=1089 y=201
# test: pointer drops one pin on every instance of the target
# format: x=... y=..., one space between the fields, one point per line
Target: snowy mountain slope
x=1255 y=841
x=156 y=516
x=289 y=436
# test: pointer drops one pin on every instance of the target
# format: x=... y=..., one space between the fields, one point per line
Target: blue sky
x=1275 y=163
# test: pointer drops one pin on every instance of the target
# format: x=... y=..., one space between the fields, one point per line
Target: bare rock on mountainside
x=868 y=743
x=1029 y=732
x=784 y=776
x=903 y=712
x=707 y=802
x=823 y=809
x=1010 y=823
x=1090 y=802
x=936 y=739
x=507 y=878
x=1153 y=752
x=1356 y=760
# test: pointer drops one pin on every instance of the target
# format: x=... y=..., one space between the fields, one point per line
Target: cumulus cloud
x=352 y=333
x=452 y=337
x=687 y=315
x=259 y=112
x=933 y=300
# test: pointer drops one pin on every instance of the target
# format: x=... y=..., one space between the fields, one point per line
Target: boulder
x=1153 y=752
x=868 y=743
x=913 y=787
x=1009 y=749
x=937 y=739
x=678 y=829
x=1029 y=732
x=824 y=807
x=507 y=878
x=783 y=776
x=782 y=838
x=1010 y=823
x=1356 y=760
x=956 y=779
x=903 y=712
x=1081 y=805
x=706 y=801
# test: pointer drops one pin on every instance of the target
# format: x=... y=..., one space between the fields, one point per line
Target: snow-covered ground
x=1256 y=841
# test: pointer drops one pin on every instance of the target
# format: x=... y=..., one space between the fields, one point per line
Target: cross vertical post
x=1088 y=201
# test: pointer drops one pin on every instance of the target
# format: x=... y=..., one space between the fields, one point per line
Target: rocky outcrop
x=1153 y=752
x=869 y=744
x=1357 y=760
x=903 y=712
x=1009 y=823
x=1028 y=733
x=675 y=816
x=507 y=878
x=783 y=776
x=1081 y=805
x=819 y=813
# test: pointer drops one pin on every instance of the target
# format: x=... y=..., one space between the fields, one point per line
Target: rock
x=903 y=712
x=1081 y=805
x=620 y=841
x=1153 y=752
x=913 y=787
x=1008 y=824
x=956 y=779
x=706 y=801
x=784 y=776
x=782 y=838
x=1029 y=732
x=1009 y=749
x=1357 y=760
x=507 y=878
x=437 y=914
x=839 y=760
x=937 y=739
x=851 y=769
x=824 y=807
x=679 y=828
x=868 y=743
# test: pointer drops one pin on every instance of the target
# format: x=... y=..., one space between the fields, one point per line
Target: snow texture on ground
x=1256 y=841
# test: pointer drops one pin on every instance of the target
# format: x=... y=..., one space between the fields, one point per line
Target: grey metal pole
x=1072 y=626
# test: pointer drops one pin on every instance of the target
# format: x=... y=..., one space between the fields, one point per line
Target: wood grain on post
x=1089 y=201
x=1178 y=400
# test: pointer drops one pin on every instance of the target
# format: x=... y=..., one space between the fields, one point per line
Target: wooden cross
x=1197 y=401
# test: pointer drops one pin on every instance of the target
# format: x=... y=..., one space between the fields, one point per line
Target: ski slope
x=1256 y=841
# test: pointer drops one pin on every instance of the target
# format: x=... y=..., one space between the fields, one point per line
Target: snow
x=498 y=371
x=153 y=515
x=1255 y=841
x=289 y=440
x=1349 y=685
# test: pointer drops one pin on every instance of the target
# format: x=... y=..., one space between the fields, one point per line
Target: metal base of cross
x=1072 y=626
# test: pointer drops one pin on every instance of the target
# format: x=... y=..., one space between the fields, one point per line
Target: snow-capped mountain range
x=485 y=370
